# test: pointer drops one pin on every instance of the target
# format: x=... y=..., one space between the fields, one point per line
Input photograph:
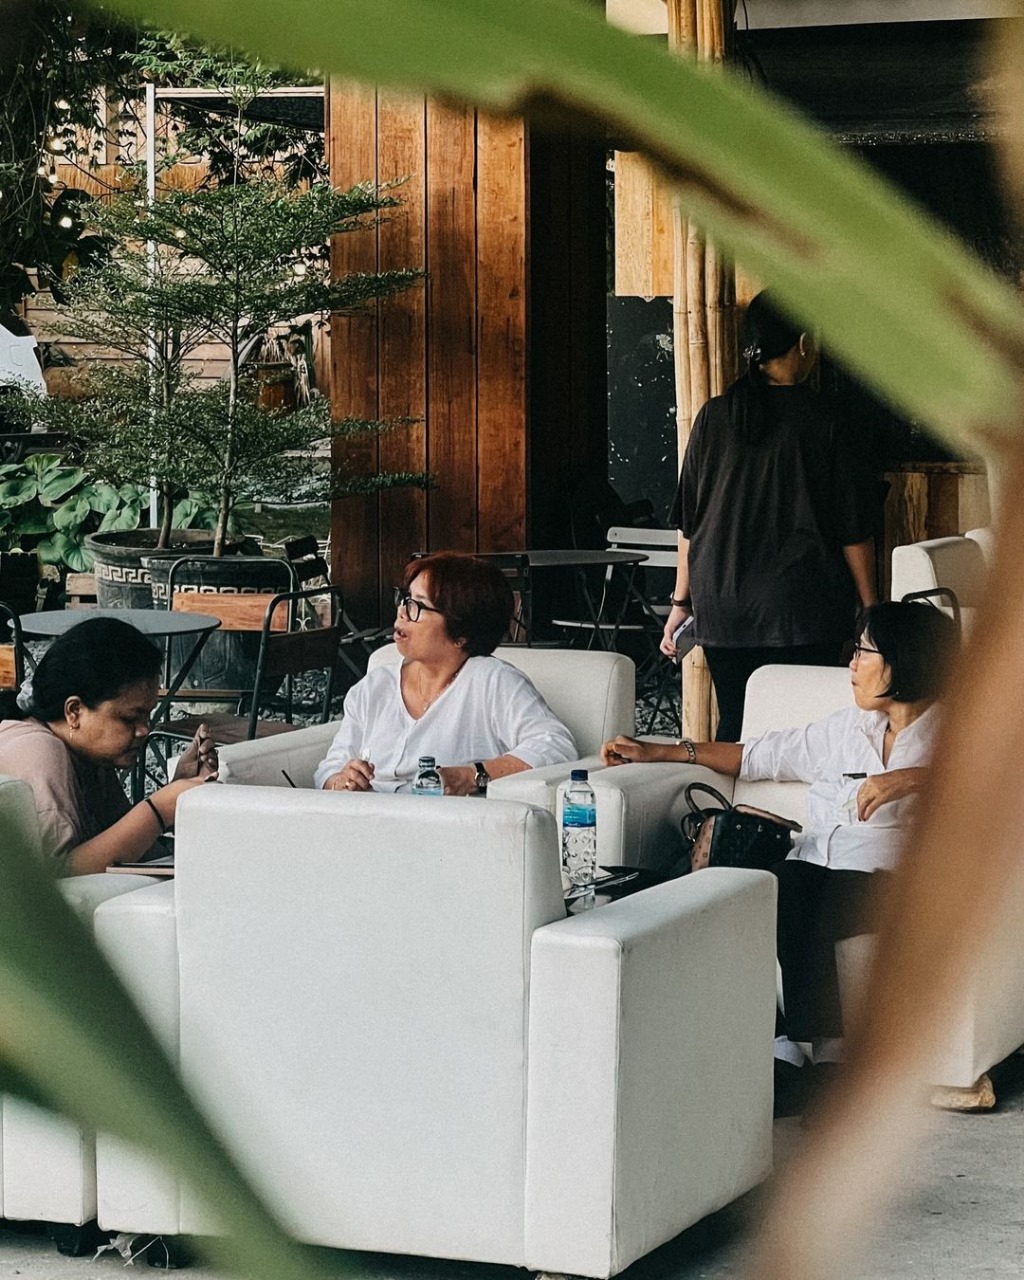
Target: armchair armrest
x=539 y=787
x=650 y=1068
x=639 y=808
x=259 y=763
x=138 y=935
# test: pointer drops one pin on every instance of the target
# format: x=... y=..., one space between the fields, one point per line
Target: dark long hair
x=767 y=334
x=94 y=661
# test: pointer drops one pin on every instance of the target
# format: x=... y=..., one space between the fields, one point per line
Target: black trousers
x=732 y=668
x=818 y=907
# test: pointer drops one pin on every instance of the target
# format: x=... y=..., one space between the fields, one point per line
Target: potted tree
x=226 y=263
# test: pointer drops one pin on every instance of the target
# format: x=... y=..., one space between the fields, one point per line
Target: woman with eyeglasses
x=864 y=765
x=450 y=698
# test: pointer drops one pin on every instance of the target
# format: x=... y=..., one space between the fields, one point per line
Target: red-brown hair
x=471 y=593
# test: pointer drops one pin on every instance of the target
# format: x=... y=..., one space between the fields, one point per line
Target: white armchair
x=48 y=1164
x=990 y=1024
x=958 y=564
x=410 y=1048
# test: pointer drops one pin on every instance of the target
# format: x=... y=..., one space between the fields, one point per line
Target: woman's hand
x=357 y=775
x=166 y=798
x=623 y=750
x=459 y=779
x=677 y=616
x=884 y=788
x=199 y=759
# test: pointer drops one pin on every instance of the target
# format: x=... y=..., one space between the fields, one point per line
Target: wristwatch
x=482 y=777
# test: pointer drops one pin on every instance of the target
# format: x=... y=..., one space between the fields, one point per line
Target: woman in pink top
x=86 y=715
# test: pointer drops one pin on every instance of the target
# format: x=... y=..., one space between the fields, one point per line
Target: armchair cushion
x=593 y=694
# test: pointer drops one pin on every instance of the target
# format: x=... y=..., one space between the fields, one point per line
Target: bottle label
x=579 y=815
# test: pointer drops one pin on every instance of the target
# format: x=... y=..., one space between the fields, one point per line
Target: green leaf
x=71 y=514
x=894 y=295
x=60 y=549
x=60 y=482
x=13 y=493
x=119 y=519
x=71 y=1034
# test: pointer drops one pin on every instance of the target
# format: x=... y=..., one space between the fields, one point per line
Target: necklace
x=428 y=702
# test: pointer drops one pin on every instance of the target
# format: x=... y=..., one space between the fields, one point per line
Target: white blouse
x=490 y=709
x=831 y=754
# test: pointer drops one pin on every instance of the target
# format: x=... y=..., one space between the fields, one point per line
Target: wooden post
x=703 y=314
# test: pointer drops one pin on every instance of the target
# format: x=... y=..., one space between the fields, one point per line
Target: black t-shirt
x=767 y=521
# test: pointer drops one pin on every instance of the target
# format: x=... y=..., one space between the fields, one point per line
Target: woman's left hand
x=884 y=788
x=199 y=759
x=459 y=779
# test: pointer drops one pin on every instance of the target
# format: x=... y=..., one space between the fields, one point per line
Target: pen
x=852 y=777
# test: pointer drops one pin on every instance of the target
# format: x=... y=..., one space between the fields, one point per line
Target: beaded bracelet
x=156 y=814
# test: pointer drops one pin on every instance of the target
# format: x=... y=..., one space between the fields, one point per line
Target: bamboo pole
x=680 y=343
x=697 y=319
x=703 y=321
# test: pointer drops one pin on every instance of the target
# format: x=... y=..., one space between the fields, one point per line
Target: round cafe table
x=158 y=623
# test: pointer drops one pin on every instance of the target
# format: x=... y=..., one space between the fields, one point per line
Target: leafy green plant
x=48 y=505
x=234 y=144
x=53 y=59
x=223 y=264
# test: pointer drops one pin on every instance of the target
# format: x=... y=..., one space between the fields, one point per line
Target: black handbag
x=733 y=835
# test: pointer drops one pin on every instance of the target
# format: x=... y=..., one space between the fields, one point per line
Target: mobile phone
x=683 y=639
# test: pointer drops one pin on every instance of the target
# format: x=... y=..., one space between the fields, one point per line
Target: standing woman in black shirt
x=774 y=519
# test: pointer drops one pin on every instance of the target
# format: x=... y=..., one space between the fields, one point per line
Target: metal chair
x=310 y=567
x=286 y=651
x=12 y=659
x=638 y=614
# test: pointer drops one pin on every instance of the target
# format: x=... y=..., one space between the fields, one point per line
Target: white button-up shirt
x=826 y=754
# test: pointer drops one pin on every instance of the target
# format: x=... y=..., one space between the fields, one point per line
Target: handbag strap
x=709 y=790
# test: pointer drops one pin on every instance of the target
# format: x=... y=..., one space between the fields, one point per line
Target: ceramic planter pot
x=123 y=578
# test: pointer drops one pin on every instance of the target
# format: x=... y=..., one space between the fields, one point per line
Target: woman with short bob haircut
x=450 y=698
x=865 y=765
x=86 y=715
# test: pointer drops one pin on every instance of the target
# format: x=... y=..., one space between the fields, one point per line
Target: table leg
x=162 y=710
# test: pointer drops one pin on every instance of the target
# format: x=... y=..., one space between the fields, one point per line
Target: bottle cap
x=578 y=775
x=426 y=762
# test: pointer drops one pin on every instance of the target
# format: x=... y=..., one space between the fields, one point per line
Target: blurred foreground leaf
x=72 y=1039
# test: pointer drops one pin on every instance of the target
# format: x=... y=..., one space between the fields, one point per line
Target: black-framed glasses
x=859 y=649
x=413 y=608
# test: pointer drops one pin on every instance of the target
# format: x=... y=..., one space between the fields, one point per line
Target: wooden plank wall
x=451 y=353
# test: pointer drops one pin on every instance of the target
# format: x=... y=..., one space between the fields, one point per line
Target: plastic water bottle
x=579 y=834
x=428 y=780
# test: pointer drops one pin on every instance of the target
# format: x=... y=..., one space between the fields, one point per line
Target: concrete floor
x=962 y=1218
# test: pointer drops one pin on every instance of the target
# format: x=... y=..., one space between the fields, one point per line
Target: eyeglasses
x=413 y=608
x=859 y=649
